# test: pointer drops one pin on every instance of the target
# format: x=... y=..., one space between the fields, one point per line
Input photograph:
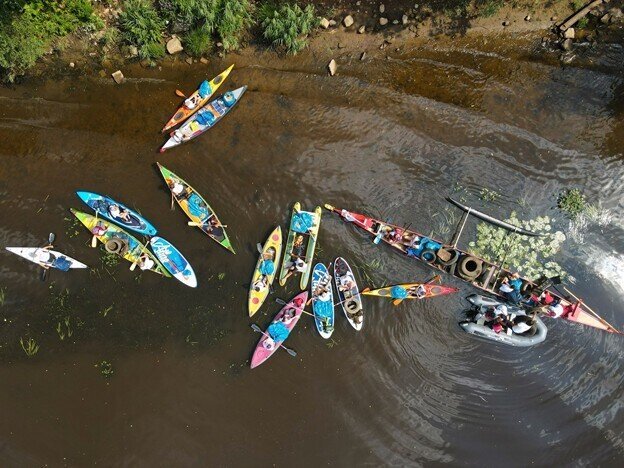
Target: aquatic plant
x=104 y=312
x=198 y=41
x=221 y=276
x=110 y=259
x=286 y=26
x=572 y=202
x=64 y=329
x=141 y=26
x=30 y=348
x=106 y=369
x=529 y=256
x=489 y=195
x=2 y=296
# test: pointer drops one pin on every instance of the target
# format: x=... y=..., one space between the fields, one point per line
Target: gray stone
x=569 y=33
x=553 y=18
x=567 y=57
x=527 y=18
x=363 y=56
x=219 y=44
x=362 y=29
x=204 y=60
x=383 y=21
x=324 y=23
x=395 y=22
x=506 y=23
x=332 y=67
x=616 y=13
x=567 y=44
x=382 y=8
x=332 y=22
x=133 y=51
x=341 y=45
x=404 y=20
x=72 y=64
x=347 y=21
x=174 y=46
x=606 y=18
x=118 y=77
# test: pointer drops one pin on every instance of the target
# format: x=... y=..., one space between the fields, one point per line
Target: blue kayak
x=173 y=261
x=112 y=210
x=322 y=300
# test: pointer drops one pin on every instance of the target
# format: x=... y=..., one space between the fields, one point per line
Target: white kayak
x=47 y=257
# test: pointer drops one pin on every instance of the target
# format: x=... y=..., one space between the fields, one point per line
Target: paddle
x=51 y=238
x=396 y=302
x=134 y=264
x=180 y=93
x=290 y=351
x=193 y=223
x=94 y=237
x=598 y=317
x=172 y=200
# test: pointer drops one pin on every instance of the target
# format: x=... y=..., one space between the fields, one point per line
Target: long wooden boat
x=480 y=273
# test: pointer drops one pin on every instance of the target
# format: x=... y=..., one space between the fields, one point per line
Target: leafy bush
x=572 y=202
x=184 y=15
x=231 y=20
x=28 y=29
x=287 y=25
x=198 y=41
x=487 y=8
x=141 y=26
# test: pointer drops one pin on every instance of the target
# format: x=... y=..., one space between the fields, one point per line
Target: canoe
x=184 y=112
x=476 y=326
x=196 y=208
x=131 y=247
x=322 y=300
x=431 y=290
x=349 y=298
x=261 y=354
x=173 y=261
x=305 y=249
x=101 y=205
x=57 y=260
x=491 y=274
x=206 y=118
x=272 y=250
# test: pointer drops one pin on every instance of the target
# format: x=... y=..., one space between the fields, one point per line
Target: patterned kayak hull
x=173 y=261
x=29 y=253
x=350 y=299
x=272 y=246
x=432 y=290
x=323 y=308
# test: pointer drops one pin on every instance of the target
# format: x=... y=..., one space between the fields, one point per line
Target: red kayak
x=262 y=352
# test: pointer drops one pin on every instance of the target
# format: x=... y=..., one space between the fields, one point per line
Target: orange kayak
x=184 y=112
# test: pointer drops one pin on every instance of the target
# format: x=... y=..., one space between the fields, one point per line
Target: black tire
x=428 y=253
x=469 y=267
x=113 y=246
x=454 y=257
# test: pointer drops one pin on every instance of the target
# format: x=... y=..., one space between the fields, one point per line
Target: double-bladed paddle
x=290 y=351
x=51 y=238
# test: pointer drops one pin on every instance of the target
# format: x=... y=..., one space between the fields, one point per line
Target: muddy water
x=391 y=137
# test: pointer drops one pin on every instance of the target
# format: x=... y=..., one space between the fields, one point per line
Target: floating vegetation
x=221 y=276
x=368 y=267
x=104 y=312
x=331 y=343
x=572 y=202
x=529 y=256
x=445 y=220
x=64 y=329
x=2 y=296
x=73 y=228
x=489 y=195
x=106 y=369
x=110 y=260
x=30 y=347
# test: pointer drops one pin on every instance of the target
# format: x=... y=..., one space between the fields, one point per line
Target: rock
x=332 y=22
x=567 y=57
x=219 y=44
x=616 y=13
x=220 y=54
x=382 y=46
x=363 y=56
x=102 y=73
x=358 y=3
x=133 y=51
x=569 y=33
x=605 y=19
x=567 y=44
x=383 y=21
x=527 y=18
x=506 y=23
x=389 y=40
x=324 y=23
x=189 y=60
x=404 y=20
x=553 y=18
x=395 y=22
x=204 y=60
x=72 y=64
x=347 y=21
x=416 y=5
x=174 y=46
x=382 y=8
x=118 y=77
x=341 y=45
x=332 y=67
x=362 y=29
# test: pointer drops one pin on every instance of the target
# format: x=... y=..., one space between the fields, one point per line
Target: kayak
x=102 y=204
x=349 y=297
x=56 y=259
x=271 y=250
x=409 y=290
x=184 y=112
x=206 y=118
x=322 y=300
x=118 y=241
x=173 y=261
x=196 y=208
x=475 y=325
x=302 y=235
x=261 y=353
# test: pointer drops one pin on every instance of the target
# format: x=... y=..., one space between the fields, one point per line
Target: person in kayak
x=523 y=324
x=277 y=333
x=99 y=229
x=393 y=236
x=510 y=287
x=261 y=284
x=191 y=102
x=145 y=262
x=44 y=257
x=555 y=309
x=358 y=317
x=117 y=212
x=289 y=316
x=347 y=283
x=297 y=264
x=417 y=291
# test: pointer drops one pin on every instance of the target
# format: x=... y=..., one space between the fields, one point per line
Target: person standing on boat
x=510 y=287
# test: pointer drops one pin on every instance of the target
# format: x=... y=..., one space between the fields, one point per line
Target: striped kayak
x=301 y=236
x=118 y=241
x=206 y=118
x=322 y=300
x=184 y=112
x=196 y=208
x=296 y=305
x=53 y=259
x=348 y=293
x=174 y=261
x=411 y=291
x=271 y=250
x=102 y=204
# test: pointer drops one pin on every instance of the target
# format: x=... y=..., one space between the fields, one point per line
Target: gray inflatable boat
x=482 y=304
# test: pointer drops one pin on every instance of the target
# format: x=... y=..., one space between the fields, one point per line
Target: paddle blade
x=94 y=242
x=396 y=302
x=44 y=274
x=280 y=301
x=180 y=93
x=51 y=238
x=133 y=266
x=255 y=328
x=290 y=351
x=259 y=247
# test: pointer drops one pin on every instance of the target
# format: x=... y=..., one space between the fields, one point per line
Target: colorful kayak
x=184 y=112
x=295 y=306
x=118 y=241
x=457 y=263
x=401 y=292
x=348 y=293
x=196 y=208
x=114 y=211
x=322 y=300
x=206 y=118
x=299 y=252
x=174 y=261
x=47 y=257
x=263 y=277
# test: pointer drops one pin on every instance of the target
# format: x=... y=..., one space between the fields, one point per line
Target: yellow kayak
x=261 y=283
x=184 y=112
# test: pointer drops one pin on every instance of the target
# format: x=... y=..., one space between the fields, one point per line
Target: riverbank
x=362 y=27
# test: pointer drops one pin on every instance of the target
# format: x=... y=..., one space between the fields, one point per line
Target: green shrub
x=231 y=20
x=572 y=202
x=184 y=15
x=142 y=27
x=487 y=8
x=287 y=25
x=198 y=41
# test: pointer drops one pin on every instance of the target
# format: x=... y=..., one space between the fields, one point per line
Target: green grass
x=198 y=41
x=106 y=369
x=487 y=8
x=572 y=202
x=286 y=26
x=2 y=296
x=30 y=347
x=142 y=27
x=231 y=22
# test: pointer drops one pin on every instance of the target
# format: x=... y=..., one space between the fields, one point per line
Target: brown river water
x=387 y=136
